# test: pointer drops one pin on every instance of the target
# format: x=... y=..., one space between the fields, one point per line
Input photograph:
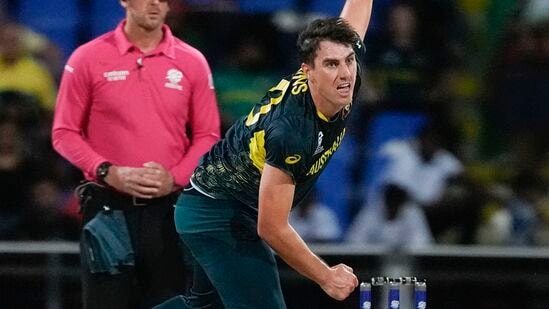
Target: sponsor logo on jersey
x=366 y=305
x=211 y=81
x=395 y=304
x=292 y=159
x=319 y=147
x=174 y=77
x=319 y=164
x=68 y=68
x=116 y=75
x=421 y=305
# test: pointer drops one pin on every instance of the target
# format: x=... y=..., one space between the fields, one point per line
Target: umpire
x=126 y=103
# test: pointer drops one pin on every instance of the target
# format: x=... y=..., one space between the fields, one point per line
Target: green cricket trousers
x=233 y=267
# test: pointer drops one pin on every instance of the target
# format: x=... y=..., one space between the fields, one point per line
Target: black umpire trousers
x=159 y=272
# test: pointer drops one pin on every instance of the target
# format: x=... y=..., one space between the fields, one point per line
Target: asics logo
x=293 y=159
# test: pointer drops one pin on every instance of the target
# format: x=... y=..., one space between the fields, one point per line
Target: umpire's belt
x=117 y=200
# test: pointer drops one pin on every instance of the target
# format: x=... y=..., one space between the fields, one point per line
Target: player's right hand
x=340 y=283
x=133 y=181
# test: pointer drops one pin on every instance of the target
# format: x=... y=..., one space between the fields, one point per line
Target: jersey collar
x=166 y=46
x=321 y=115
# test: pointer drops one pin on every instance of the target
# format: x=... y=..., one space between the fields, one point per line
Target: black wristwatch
x=102 y=171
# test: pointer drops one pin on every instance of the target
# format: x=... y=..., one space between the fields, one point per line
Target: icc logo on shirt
x=174 y=77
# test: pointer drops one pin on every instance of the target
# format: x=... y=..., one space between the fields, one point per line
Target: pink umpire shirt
x=118 y=104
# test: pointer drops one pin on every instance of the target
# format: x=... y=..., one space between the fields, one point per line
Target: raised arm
x=357 y=13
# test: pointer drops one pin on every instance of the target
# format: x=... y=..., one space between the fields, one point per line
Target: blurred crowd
x=448 y=145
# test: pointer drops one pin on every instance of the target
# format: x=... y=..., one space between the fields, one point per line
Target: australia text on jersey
x=317 y=166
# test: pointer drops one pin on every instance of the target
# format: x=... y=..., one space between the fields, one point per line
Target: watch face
x=103 y=170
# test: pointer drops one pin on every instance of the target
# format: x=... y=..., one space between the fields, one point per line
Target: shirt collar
x=166 y=46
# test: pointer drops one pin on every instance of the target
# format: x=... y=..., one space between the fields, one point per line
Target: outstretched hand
x=341 y=282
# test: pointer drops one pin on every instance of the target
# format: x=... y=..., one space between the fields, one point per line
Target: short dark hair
x=334 y=29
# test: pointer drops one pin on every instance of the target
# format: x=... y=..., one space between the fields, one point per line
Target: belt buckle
x=135 y=202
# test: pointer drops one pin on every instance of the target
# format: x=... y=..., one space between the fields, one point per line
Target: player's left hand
x=158 y=173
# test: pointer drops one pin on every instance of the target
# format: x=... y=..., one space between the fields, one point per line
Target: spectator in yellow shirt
x=21 y=72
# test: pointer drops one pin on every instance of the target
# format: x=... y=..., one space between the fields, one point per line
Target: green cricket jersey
x=284 y=130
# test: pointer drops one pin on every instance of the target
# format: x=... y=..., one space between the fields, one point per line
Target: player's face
x=332 y=79
x=146 y=14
